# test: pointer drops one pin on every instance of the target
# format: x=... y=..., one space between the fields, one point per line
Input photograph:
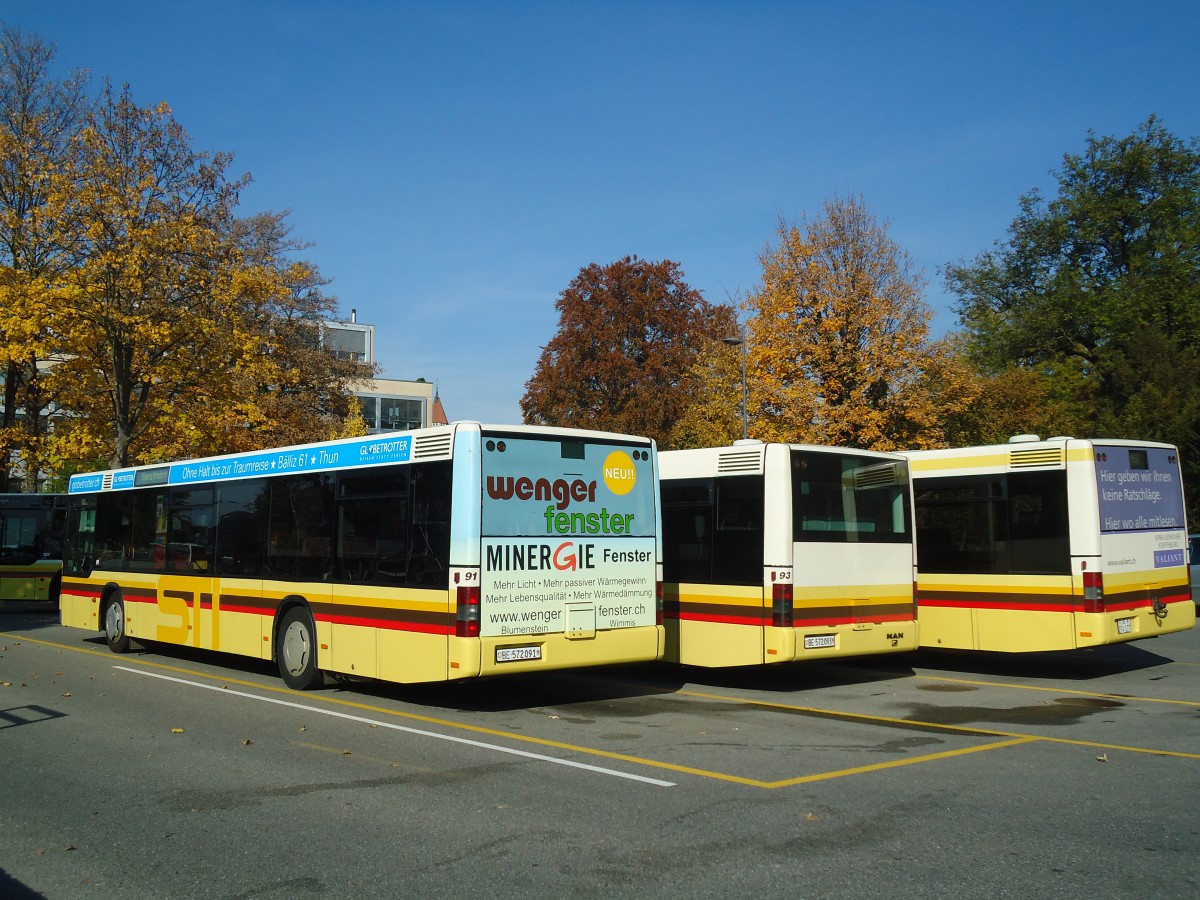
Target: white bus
x=437 y=554
x=781 y=552
x=1050 y=544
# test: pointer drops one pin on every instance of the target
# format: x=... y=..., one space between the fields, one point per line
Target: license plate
x=1124 y=626
x=517 y=654
x=819 y=641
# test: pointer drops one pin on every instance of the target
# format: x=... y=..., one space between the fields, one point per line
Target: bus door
x=184 y=560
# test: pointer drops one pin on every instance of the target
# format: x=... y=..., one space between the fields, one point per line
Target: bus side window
x=1039 y=537
x=242 y=528
x=429 y=546
x=738 y=539
x=299 y=527
x=687 y=515
x=191 y=531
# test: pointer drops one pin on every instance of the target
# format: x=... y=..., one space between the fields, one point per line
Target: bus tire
x=297 y=651
x=114 y=623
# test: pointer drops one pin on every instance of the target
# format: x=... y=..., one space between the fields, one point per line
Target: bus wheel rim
x=114 y=625
x=296 y=649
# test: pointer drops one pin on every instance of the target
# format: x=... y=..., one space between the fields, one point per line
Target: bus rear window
x=840 y=498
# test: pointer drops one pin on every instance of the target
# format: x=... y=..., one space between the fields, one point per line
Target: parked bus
x=31 y=540
x=437 y=554
x=781 y=552
x=1050 y=545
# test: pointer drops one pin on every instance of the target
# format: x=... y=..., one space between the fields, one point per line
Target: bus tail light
x=781 y=606
x=1093 y=592
x=658 y=603
x=466 y=619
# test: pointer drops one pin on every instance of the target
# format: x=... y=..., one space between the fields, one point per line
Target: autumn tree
x=185 y=331
x=39 y=117
x=1096 y=291
x=713 y=415
x=839 y=348
x=142 y=309
x=285 y=387
x=622 y=359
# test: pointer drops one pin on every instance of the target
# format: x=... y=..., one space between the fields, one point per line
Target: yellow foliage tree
x=713 y=418
x=38 y=117
x=142 y=311
x=839 y=350
x=186 y=332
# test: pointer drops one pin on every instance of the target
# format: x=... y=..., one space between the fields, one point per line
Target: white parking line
x=386 y=724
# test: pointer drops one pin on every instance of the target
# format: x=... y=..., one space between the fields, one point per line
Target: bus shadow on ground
x=494 y=694
x=28 y=615
x=649 y=680
x=534 y=690
x=799 y=677
x=1071 y=665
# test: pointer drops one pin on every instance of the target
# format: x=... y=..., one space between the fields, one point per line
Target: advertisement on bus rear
x=1140 y=489
x=568 y=535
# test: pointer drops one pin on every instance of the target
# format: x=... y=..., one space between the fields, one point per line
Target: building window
x=396 y=414
x=370 y=410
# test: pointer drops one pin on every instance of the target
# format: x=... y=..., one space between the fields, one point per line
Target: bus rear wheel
x=297 y=651
x=114 y=624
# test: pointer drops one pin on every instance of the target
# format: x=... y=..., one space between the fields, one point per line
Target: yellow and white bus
x=1050 y=544
x=781 y=552
x=31 y=537
x=430 y=555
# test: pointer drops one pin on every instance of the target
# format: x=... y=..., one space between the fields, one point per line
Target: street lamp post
x=740 y=341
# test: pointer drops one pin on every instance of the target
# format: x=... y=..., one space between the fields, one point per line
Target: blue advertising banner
x=373 y=450
x=1139 y=488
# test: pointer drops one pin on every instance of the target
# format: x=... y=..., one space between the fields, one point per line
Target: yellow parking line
x=841 y=714
x=915 y=723
x=894 y=764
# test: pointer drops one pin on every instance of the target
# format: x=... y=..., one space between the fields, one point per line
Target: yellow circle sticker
x=619 y=473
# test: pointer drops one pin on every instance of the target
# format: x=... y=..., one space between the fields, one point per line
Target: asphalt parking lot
x=1069 y=774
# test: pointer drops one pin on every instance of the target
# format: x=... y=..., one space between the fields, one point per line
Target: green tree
x=1097 y=290
x=39 y=117
x=622 y=360
x=839 y=348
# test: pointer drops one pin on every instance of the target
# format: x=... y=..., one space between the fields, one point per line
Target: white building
x=389 y=404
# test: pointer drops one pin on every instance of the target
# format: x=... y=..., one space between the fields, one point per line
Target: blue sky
x=455 y=164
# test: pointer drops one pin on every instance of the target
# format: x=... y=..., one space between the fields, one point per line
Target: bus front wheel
x=114 y=624
x=297 y=651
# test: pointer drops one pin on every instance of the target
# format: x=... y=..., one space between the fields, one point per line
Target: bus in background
x=1050 y=544
x=31 y=540
x=437 y=554
x=780 y=552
